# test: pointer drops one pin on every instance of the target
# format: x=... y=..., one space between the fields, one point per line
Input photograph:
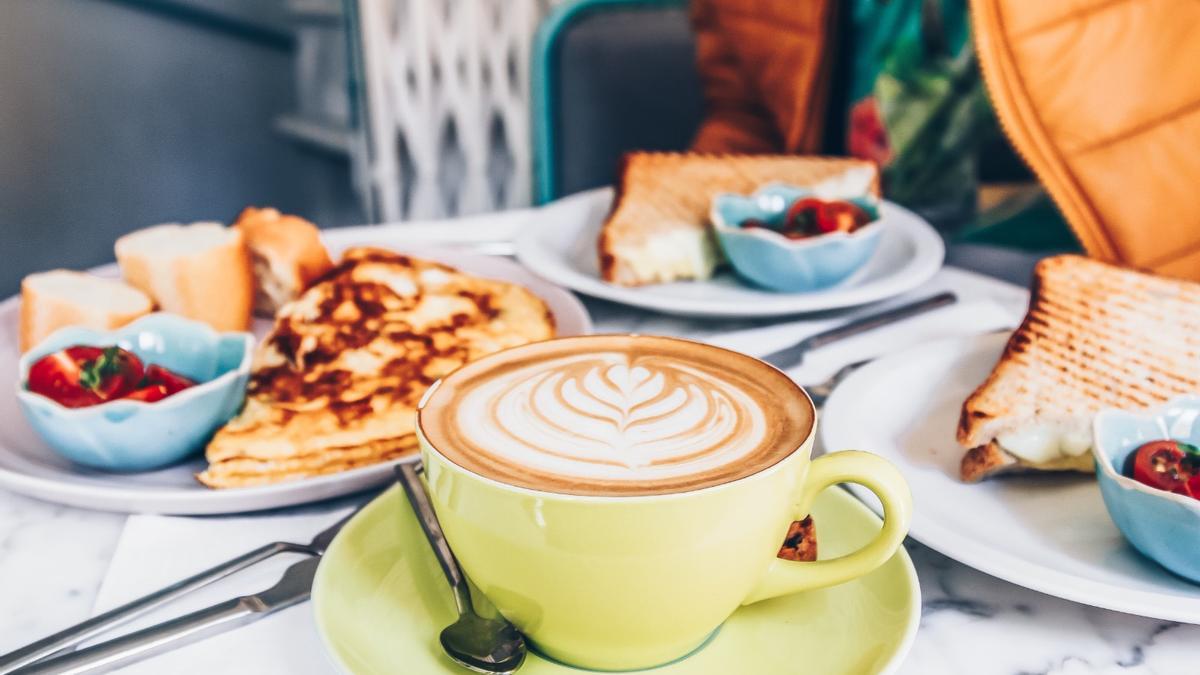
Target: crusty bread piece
x=1096 y=336
x=800 y=542
x=200 y=271
x=286 y=255
x=658 y=230
x=60 y=298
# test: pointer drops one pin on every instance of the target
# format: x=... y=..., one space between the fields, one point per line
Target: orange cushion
x=1102 y=99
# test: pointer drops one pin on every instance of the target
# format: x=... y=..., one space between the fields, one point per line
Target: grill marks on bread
x=1095 y=336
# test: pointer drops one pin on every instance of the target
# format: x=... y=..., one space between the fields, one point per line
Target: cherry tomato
x=173 y=383
x=1170 y=466
x=802 y=216
x=81 y=376
x=838 y=217
x=149 y=393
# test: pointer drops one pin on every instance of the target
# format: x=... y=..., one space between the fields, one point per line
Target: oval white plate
x=561 y=246
x=1049 y=533
x=29 y=467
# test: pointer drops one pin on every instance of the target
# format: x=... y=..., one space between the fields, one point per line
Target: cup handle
x=784 y=577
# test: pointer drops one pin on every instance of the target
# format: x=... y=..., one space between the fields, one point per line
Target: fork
x=96 y=625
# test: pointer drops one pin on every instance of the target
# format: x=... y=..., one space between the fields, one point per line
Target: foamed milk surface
x=601 y=416
x=617 y=418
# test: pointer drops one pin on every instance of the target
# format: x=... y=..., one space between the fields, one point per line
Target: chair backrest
x=609 y=76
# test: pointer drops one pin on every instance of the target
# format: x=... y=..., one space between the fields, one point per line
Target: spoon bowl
x=484 y=645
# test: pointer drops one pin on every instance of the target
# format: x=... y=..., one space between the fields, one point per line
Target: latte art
x=616 y=419
x=610 y=416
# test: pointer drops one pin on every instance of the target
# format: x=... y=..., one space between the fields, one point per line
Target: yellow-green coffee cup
x=628 y=582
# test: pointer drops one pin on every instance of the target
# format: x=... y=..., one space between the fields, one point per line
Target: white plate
x=561 y=246
x=29 y=467
x=1049 y=533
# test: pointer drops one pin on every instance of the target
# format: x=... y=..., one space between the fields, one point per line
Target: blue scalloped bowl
x=768 y=259
x=1163 y=526
x=133 y=435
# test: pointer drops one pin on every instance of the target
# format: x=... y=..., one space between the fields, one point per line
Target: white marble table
x=53 y=559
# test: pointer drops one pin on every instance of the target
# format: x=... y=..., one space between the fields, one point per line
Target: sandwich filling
x=1043 y=443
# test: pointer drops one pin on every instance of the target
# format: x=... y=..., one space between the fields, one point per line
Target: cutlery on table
x=473 y=642
x=821 y=391
x=790 y=357
x=293 y=588
x=70 y=637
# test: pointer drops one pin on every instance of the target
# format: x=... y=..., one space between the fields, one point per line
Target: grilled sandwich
x=1096 y=336
x=658 y=230
x=336 y=383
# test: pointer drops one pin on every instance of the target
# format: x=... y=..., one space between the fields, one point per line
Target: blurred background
x=119 y=114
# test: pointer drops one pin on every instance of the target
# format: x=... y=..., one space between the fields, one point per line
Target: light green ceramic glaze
x=380 y=601
x=619 y=583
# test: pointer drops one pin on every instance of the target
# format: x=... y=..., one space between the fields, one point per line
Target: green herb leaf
x=1188 y=448
x=93 y=373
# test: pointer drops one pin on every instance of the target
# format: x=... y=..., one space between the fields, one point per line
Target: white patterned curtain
x=446 y=105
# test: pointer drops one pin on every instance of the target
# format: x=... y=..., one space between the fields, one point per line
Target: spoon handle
x=417 y=496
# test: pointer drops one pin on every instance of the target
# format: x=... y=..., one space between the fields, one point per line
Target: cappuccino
x=616 y=415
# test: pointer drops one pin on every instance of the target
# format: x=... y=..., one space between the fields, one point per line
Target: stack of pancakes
x=336 y=383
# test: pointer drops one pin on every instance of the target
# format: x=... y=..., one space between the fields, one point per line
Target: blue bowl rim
x=171 y=402
x=1104 y=460
x=720 y=225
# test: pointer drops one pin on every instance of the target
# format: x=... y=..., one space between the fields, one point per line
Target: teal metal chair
x=609 y=76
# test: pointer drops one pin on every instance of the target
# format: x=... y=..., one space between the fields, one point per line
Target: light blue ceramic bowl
x=1163 y=526
x=770 y=260
x=137 y=436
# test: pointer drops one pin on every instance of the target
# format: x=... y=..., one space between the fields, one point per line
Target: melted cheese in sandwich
x=1046 y=442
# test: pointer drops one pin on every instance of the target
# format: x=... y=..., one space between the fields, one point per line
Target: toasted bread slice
x=286 y=254
x=1096 y=336
x=200 y=271
x=658 y=230
x=60 y=298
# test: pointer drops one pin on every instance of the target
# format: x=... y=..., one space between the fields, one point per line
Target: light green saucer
x=380 y=601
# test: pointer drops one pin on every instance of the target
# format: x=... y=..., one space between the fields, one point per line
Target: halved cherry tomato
x=802 y=216
x=172 y=383
x=1168 y=465
x=839 y=217
x=810 y=216
x=149 y=393
x=81 y=376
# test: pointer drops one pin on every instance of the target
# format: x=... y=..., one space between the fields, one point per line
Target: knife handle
x=96 y=625
x=150 y=641
x=874 y=321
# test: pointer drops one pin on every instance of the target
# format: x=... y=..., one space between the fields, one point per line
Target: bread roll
x=200 y=271
x=286 y=255
x=59 y=298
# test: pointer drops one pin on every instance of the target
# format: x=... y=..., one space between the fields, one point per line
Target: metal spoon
x=473 y=642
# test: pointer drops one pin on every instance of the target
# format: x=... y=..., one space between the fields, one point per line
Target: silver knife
x=86 y=630
x=295 y=587
x=790 y=357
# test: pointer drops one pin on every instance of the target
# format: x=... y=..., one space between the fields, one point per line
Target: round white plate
x=1049 y=533
x=30 y=467
x=561 y=246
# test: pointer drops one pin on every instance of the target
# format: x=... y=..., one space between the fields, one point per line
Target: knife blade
x=294 y=587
